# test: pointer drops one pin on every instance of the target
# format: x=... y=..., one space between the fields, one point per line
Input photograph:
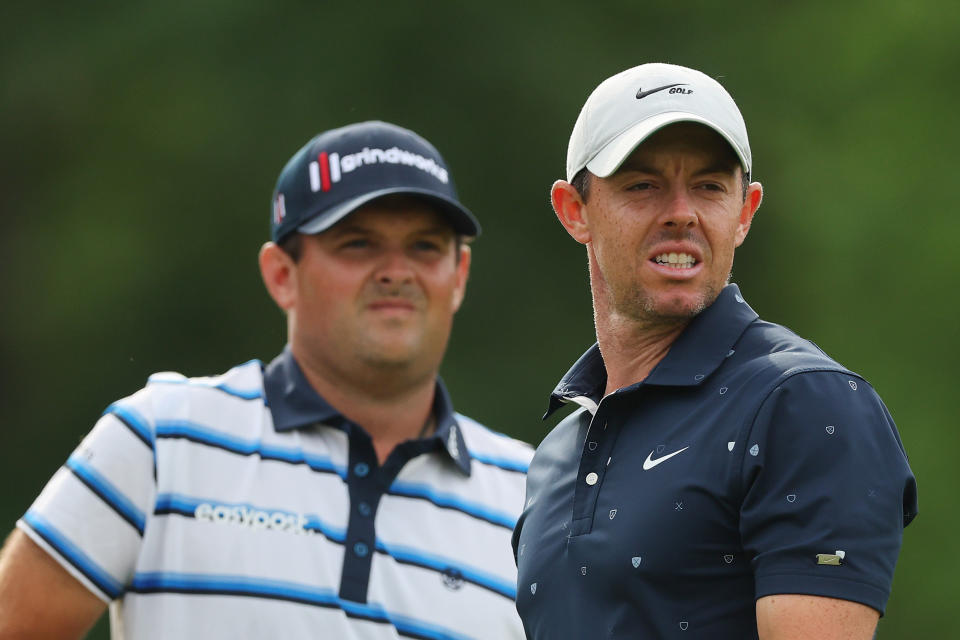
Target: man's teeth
x=677 y=260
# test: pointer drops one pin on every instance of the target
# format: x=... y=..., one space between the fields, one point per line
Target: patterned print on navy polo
x=747 y=464
x=246 y=506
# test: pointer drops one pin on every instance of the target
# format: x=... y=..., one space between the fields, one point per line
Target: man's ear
x=279 y=274
x=569 y=208
x=463 y=273
x=747 y=211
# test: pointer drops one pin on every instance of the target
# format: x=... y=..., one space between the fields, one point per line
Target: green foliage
x=141 y=143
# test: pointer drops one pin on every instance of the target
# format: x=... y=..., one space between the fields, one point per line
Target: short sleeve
x=827 y=490
x=92 y=513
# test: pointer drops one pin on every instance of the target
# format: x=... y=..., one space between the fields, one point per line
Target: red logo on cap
x=325 y=171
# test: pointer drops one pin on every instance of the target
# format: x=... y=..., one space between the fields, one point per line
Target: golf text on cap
x=328 y=168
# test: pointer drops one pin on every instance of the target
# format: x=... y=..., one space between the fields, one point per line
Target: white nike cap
x=626 y=108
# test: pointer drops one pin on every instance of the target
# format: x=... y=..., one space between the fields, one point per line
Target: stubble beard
x=391 y=366
x=647 y=311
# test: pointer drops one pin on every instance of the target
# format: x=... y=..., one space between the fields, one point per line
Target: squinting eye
x=358 y=243
x=640 y=186
x=425 y=245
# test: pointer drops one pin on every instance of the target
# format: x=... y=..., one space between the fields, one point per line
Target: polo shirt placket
x=294 y=404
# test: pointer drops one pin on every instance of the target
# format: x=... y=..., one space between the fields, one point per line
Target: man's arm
x=38 y=597
x=801 y=617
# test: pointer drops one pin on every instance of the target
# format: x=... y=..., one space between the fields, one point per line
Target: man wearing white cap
x=723 y=477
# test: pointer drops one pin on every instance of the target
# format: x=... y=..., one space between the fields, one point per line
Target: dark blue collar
x=692 y=358
x=294 y=404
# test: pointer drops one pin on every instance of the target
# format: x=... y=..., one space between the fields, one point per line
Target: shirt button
x=364 y=509
x=361 y=549
x=592 y=478
x=361 y=469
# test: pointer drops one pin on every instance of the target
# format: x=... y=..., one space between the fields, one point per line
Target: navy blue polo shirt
x=747 y=463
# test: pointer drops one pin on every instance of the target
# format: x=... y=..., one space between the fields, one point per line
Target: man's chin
x=676 y=308
x=388 y=357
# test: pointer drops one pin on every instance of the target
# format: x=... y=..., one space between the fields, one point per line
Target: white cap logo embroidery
x=328 y=169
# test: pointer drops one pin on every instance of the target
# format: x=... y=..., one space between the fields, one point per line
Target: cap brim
x=459 y=216
x=609 y=159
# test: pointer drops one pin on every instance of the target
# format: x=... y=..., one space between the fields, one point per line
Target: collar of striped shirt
x=294 y=404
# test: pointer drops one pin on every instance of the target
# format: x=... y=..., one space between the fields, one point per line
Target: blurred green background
x=141 y=141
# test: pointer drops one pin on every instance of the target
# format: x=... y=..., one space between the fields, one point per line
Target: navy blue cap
x=342 y=169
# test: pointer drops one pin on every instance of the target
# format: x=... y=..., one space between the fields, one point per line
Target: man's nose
x=394 y=268
x=680 y=211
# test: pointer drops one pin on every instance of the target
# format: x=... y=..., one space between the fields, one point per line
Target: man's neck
x=390 y=406
x=631 y=349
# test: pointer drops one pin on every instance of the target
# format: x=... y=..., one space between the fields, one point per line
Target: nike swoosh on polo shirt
x=651 y=462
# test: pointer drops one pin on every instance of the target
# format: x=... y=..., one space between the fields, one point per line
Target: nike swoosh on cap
x=651 y=462
x=643 y=94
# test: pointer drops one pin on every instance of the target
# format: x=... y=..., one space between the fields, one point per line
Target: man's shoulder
x=775 y=350
x=493 y=447
x=770 y=360
x=169 y=393
x=244 y=382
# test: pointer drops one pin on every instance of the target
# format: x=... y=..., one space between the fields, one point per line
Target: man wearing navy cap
x=333 y=493
x=723 y=477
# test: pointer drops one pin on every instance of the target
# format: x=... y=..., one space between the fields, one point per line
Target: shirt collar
x=294 y=404
x=696 y=353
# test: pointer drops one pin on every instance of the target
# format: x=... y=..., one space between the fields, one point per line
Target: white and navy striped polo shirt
x=244 y=505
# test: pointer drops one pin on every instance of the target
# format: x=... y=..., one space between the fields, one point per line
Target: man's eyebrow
x=639 y=167
x=345 y=228
x=440 y=229
x=721 y=166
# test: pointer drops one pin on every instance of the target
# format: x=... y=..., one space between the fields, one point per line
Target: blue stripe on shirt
x=187 y=505
x=277 y=589
x=74 y=555
x=243 y=394
x=133 y=420
x=108 y=492
x=437 y=563
x=451 y=501
x=204 y=435
x=502 y=463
